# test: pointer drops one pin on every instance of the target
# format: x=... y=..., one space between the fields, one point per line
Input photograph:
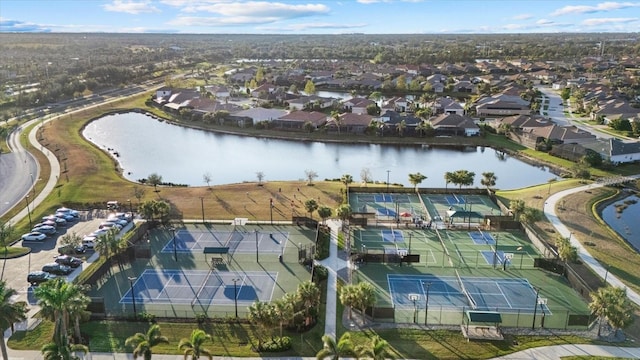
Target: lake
x=626 y=222
x=181 y=155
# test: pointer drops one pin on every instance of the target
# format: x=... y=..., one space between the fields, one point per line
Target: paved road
x=18 y=171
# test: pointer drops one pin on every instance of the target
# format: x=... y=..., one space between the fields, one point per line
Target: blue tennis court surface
x=491 y=294
x=392 y=235
x=155 y=286
x=499 y=257
x=482 y=238
x=383 y=198
x=386 y=212
x=454 y=200
x=237 y=241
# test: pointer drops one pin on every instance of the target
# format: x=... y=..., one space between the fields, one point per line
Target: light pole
x=495 y=253
x=175 y=250
x=130 y=208
x=133 y=297
x=426 y=305
x=410 y=242
x=33 y=186
x=535 y=309
x=271 y=209
x=257 y=257
x=28 y=211
x=202 y=207
x=388 y=171
x=235 y=294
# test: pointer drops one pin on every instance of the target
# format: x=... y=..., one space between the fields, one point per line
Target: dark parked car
x=67 y=260
x=70 y=249
x=37 y=277
x=57 y=269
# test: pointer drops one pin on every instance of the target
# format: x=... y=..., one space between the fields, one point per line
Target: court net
x=464 y=290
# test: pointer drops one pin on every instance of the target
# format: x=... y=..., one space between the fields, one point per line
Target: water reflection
x=623 y=217
x=181 y=155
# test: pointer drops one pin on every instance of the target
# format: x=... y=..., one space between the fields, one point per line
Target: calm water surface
x=627 y=223
x=182 y=156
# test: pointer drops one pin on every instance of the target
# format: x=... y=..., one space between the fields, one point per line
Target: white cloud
x=258 y=8
x=311 y=26
x=130 y=7
x=522 y=17
x=544 y=22
x=588 y=9
x=367 y=2
x=603 y=21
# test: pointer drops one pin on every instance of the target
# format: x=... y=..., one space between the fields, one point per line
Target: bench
x=217 y=261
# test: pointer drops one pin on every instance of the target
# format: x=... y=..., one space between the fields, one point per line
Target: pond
x=622 y=216
x=145 y=145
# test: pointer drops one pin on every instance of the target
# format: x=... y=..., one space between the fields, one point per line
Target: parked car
x=89 y=242
x=47 y=222
x=45 y=229
x=72 y=250
x=57 y=269
x=38 y=277
x=109 y=225
x=67 y=260
x=66 y=216
x=99 y=232
x=71 y=212
x=124 y=216
x=58 y=221
x=34 y=236
x=118 y=221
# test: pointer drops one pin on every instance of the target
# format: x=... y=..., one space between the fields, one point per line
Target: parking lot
x=15 y=271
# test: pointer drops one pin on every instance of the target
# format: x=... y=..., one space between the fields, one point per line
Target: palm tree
x=348 y=295
x=346 y=179
x=365 y=297
x=448 y=178
x=611 y=303
x=10 y=312
x=283 y=312
x=194 y=346
x=142 y=343
x=77 y=308
x=517 y=207
x=333 y=350
x=379 y=349
x=261 y=314
x=324 y=212
x=309 y=294
x=57 y=298
x=60 y=349
x=401 y=127
x=416 y=179
x=337 y=120
x=488 y=180
x=311 y=205
x=155 y=180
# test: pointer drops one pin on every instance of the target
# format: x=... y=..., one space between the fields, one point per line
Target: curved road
x=18 y=172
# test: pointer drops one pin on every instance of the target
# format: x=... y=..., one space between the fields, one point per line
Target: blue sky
x=319 y=16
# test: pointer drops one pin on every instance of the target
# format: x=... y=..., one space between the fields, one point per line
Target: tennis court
x=238 y=241
x=458 y=207
x=155 y=286
x=388 y=207
x=506 y=295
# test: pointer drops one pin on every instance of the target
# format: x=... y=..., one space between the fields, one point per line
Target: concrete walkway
x=558 y=351
x=583 y=253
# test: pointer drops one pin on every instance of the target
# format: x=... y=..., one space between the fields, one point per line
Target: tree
x=346 y=179
x=138 y=193
x=155 y=180
x=333 y=350
x=107 y=244
x=207 y=179
x=462 y=177
x=401 y=127
x=71 y=239
x=566 y=251
x=60 y=349
x=57 y=298
x=309 y=295
x=324 y=212
x=488 y=180
x=373 y=109
x=310 y=88
x=6 y=232
x=344 y=212
x=10 y=312
x=261 y=314
x=142 y=343
x=517 y=208
x=416 y=179
x=365 y=295
x=365 y=175
x=448 y=178
x=337 y=120
x=378 y=349
x=310 y=175
x=311 y=205
x=260 y=176
x=283 y=311
x=348 y=295
x=611 y=303
x=194 y=346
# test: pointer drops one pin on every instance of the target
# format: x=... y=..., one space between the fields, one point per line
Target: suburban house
x=399 y=104
x=255 y=115
x=263 y=90
x=447 y=106
x=616 y=109
x=219 y=91
x=350 y=123
x=296 y=120
x=311 y=102
x=465 y=87
x=454 y=124
x=502 y=105
x=357 y=105
x=391 y=119
x=616 y=150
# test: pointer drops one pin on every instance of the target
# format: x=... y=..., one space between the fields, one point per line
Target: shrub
x=277 y=345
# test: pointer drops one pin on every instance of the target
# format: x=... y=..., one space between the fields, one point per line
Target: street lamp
x=495 y=252
x=130 y=208
x=426 y=305
x=202 y=207
x=414 y=298
x=535 y=309
x=271 y=209
x=33 y=186
x=28 y=211
x=235 y=294
x=388 y=171
x=175 y=250
x=133 y=298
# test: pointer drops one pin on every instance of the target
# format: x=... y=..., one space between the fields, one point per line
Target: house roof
x=317 y=118
x=359 y=102
x=562 y=133
x=261 y=113
x=352 y=119
x=525 y=121
x=453 y=120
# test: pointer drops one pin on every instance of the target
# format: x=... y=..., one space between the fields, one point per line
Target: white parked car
x=34 y=236
x=109 y=225
x=99 y=232
x=71 y=212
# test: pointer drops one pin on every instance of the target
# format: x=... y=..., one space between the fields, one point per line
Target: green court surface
x=387 y=207
x=181 y=281
x=440 y=206
x=464 y=270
